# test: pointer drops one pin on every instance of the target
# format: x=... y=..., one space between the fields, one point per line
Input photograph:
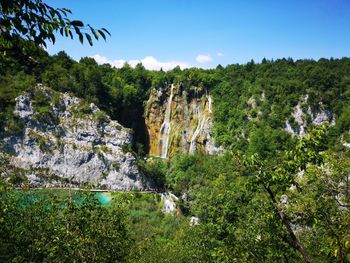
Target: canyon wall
x=179 y=119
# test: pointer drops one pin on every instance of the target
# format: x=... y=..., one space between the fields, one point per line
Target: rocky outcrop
x=69 y=142
x=303 y=117
x=169 y=202
x=179 y=119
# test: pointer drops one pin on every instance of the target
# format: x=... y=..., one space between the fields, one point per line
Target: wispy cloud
x=148 y=62
x=204 y=58
x=220 y=54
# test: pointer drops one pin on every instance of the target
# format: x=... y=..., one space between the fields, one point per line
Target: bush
x=101 y=117
x=47 y=227
x=154 y=169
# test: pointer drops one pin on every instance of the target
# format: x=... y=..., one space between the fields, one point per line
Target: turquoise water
x=105 y=199
x=25 y=198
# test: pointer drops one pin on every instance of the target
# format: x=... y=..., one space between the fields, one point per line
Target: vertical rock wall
x=179 y=119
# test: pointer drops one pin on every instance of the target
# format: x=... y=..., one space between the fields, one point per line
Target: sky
x=205 y=33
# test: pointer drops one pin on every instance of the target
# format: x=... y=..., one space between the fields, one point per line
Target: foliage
x=48 y=229
x=155 y=170
x=271 y=198
x=238 y=220
x=101 y=117
x=320 y=209
x=37 y=22
x=11 y=87
x=264 y=95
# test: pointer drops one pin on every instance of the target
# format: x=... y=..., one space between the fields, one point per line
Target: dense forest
x=271 y=197
x=252 y=101
x=279 y=191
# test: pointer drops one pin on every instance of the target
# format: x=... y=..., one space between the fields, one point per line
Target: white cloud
x=118 y=63
x=220 y=54
x=203 y=58
x=148 y=62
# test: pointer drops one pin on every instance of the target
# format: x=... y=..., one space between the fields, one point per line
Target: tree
x=45 y=226
x=320 y=208
x=276 y=179
x=35 y=22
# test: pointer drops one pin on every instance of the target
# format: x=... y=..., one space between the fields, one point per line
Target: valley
x=182 y=131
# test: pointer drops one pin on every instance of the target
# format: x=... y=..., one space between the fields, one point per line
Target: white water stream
x=209 y=102
x=165 y=128
x=200 y=125
x=201 y=117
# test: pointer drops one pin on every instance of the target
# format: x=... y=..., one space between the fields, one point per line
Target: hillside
x=253 y=107
x=256 y=158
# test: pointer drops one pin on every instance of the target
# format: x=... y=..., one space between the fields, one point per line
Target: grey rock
x=318 y=117
x=76 y=151
x=169 y=202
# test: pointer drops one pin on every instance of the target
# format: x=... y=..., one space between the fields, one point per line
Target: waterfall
x=209 y=102
x=200 y=124
x=186 y=126
x=165 y=128
x=199 y=127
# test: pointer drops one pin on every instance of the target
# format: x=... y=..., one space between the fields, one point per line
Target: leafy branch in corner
x=36 y=22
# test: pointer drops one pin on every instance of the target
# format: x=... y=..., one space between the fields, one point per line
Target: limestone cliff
x=303 y=116
x=66 y=141
x=179 y=119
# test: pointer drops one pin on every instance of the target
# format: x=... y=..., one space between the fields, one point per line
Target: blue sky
x=205 y=33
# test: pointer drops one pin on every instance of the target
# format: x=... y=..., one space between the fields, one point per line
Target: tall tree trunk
x=295 y=241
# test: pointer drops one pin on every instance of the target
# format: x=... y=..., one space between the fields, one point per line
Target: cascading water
x=201 y=121
x=165 y=128
x=209 y=103
x=179 y=119
x=200 y=125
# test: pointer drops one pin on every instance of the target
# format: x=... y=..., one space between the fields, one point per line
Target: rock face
x=169 y=203
x=179 y=119
x=303 y=116
x=68 y=142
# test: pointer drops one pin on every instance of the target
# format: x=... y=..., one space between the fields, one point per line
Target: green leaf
x=95 y=33
x=88 y=37
x=67 y=10
x=77 y=23
x=70 y=34
x=102 y=34
x=53 y=39
x=106 y=31
x=81 y=38
x=66 y=31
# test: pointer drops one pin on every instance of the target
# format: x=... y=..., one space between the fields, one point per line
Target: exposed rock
x=73 y=144
x=179 y=119
x=169 y=205
x=321 y=117
x=345 y=144
x=194 y=221
x=301 y=117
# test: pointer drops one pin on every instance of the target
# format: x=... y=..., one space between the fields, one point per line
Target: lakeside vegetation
x=238 y=219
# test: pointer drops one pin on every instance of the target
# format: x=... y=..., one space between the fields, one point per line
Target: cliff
x=66 y=141
x=179 y=119
x=303 y=117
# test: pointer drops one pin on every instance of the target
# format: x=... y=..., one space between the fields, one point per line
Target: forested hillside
x=278 y=192
x=253 y=103
x=248 y=162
